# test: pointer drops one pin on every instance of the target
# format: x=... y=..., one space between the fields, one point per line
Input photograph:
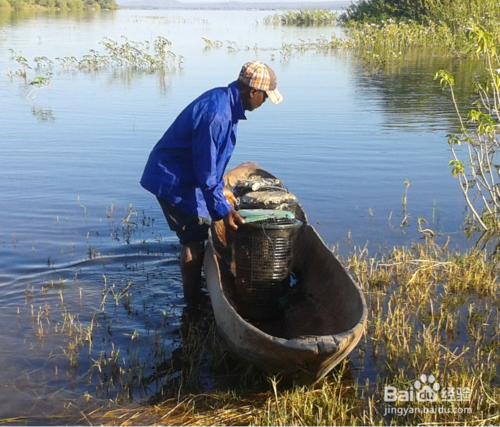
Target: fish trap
x=263 y=255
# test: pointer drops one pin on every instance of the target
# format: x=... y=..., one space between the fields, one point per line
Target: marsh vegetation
x=303 y=18
x=126 y=54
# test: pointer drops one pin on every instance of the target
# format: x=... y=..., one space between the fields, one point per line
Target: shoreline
x=221 y=5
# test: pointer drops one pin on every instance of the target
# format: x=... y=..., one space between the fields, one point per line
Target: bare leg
x=191 y=263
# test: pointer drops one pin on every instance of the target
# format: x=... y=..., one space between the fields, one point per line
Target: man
x=186 y=167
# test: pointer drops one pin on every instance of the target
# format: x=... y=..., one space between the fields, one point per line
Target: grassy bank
x=23 y=5
x=431 y=312
x=392 y=27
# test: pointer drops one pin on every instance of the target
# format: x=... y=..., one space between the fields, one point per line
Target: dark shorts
x=188 y=229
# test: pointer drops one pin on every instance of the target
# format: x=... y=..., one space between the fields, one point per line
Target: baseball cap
x=260 y=76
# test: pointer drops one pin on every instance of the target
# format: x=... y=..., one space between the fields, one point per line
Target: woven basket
x=263 y=254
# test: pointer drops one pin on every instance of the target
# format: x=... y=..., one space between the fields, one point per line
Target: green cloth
x=256 y=215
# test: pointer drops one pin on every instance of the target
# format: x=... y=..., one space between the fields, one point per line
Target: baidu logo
x=426 y=389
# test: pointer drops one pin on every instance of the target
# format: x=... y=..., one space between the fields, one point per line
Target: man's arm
x=206 y=141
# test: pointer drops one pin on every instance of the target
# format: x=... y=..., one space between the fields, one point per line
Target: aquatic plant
x=390 y=42
x=479 y=174
x=127 y=55
x=303 y=18
x=138 y=56
x=39 y=81
x=212 y=44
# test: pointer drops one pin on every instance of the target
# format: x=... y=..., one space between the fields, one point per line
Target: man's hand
x=233 y=220
x=231 y=199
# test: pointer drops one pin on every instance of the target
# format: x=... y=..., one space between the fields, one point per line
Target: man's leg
x=191 y=264
x=192 y=233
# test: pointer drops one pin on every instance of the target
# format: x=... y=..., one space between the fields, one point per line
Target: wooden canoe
x=314 y=334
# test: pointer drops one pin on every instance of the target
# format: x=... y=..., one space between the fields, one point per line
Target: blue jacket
x=187 y=165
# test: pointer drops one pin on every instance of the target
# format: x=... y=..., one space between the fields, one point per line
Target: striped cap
x=260 y=76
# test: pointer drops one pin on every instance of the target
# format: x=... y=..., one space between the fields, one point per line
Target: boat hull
x=306 y=350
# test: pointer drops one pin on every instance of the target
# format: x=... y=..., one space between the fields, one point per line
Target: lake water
x=76 y=225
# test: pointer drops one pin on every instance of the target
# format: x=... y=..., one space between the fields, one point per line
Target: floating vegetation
x=39 y=81
x=303 y=18
x=138 y=56
x=147 y=57
x=231 y=46
x=212 y=44
x=135 y=55
x=286 y=50
x=23 y=64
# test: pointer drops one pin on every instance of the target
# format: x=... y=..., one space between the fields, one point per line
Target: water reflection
x=43 y=114
x=12 y=17
x=409 y=94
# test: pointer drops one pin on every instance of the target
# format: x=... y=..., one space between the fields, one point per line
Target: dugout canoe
x=316 y=332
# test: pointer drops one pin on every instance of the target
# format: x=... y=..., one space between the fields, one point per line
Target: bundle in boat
x=276 y=199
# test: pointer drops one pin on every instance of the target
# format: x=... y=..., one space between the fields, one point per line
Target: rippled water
x=76 y=225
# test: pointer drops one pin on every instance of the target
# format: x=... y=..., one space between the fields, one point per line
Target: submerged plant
x=212 y=44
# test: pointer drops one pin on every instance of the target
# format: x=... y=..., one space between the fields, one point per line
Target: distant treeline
x=454 y=13
x=57 y=4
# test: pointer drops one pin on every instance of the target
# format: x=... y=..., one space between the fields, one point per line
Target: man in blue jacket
x=186 y=167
